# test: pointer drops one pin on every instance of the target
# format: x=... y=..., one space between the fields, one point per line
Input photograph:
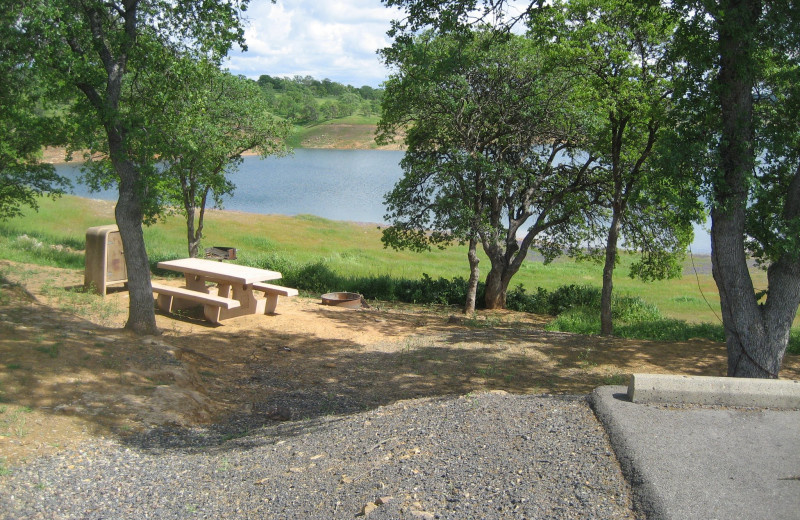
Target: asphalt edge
x=646 y=499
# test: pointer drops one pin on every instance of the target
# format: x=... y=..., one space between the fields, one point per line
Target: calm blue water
x=333 y=184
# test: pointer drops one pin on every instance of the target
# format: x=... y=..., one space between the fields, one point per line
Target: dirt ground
x=68 y=371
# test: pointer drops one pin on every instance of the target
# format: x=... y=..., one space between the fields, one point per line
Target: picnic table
x=224 y=290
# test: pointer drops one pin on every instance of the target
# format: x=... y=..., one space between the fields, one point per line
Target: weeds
x=584 y=358
x=51 y=350
x=487 y=322
x=4 y=470
x=14 y=422
x=490 y=371
x=615 y=379
x=82 y=302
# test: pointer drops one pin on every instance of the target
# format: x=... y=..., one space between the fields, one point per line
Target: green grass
x=326 y=255
x=4 y=470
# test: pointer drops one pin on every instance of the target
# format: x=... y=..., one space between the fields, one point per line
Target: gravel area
x=483 y=456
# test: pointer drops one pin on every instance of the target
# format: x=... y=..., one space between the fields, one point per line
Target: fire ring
x=342 y=299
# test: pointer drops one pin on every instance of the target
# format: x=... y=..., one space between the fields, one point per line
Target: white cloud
x=336 y=39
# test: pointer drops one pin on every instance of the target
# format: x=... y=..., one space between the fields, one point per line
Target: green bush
x=633 y=309
x=669 y=330
x=571 y=296
x=519 y=300
x=580 y=320
x=794 y=342
x=315 y=278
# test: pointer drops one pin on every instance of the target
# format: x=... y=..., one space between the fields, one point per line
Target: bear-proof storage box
x=105 y=259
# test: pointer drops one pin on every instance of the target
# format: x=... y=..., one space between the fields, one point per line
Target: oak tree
x=94 y=46
x=491 y=138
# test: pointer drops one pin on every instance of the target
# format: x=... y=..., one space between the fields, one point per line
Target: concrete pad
x=704 y=463
x=723 y=391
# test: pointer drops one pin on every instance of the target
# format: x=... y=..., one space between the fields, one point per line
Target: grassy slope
x=348 y=249
x=350 y=133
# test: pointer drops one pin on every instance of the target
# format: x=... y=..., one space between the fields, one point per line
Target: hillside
x=339 y=135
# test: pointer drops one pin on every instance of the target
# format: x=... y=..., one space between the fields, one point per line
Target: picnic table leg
x=164 y=302
x=212 y=313
x=272 y=303
x=195 y=283
x=246 y=296
x=224 y=290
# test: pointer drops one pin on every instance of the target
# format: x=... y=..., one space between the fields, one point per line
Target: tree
x=94 y=45
x=490 y=138
x=200 y=121
x=24 y=125
x=618 y=51
x=740 y=102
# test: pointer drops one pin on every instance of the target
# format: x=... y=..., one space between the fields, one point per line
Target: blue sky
x=334 y=39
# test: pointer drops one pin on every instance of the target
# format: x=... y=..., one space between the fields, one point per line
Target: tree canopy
x=25 y=123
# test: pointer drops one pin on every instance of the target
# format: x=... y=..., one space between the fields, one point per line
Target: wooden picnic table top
x=220 y=271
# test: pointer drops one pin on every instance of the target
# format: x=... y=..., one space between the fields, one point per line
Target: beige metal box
x=105 y=258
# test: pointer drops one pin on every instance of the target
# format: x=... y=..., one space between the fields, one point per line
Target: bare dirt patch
x=68 y=371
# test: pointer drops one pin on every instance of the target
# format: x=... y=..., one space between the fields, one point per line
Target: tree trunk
x=497 y=282
x=495 y=292
x=128 y=213
x=474 y=273
x=191 y=237
x=756 y=336
x=606 y=320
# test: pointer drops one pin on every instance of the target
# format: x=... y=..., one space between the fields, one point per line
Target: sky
x=334 y=39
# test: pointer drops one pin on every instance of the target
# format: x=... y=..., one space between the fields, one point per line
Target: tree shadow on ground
x=264 y=378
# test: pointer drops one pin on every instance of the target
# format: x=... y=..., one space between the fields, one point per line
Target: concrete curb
x=647 y=499
x=704 y=390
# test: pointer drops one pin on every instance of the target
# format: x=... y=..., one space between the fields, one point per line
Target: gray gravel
x=482 y=456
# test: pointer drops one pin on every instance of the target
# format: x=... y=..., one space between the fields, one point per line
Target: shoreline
x=56 y=155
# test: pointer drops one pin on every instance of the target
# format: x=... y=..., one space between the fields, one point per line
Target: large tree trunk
x=141 y=311
x=756 y=336
x=474 y=274
x=495 y=291
x=497 y=281
x=606 y=320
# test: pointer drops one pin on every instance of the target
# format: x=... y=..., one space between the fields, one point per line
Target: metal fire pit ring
x=342 y=299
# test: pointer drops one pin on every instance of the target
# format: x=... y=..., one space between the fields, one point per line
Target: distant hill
x=343 y=134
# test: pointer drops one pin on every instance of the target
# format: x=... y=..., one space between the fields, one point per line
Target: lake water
x=333 y=184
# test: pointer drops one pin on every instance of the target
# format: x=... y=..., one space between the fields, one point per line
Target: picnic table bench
x=272 y=292
x=235 y=287
x=212 y=304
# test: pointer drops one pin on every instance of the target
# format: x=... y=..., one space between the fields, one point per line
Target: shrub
x=571 y=296
x=794 y=342
x=669 y=330
x=315 y=278
x=518 y=300
x=581 y=320
x=633 y=309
